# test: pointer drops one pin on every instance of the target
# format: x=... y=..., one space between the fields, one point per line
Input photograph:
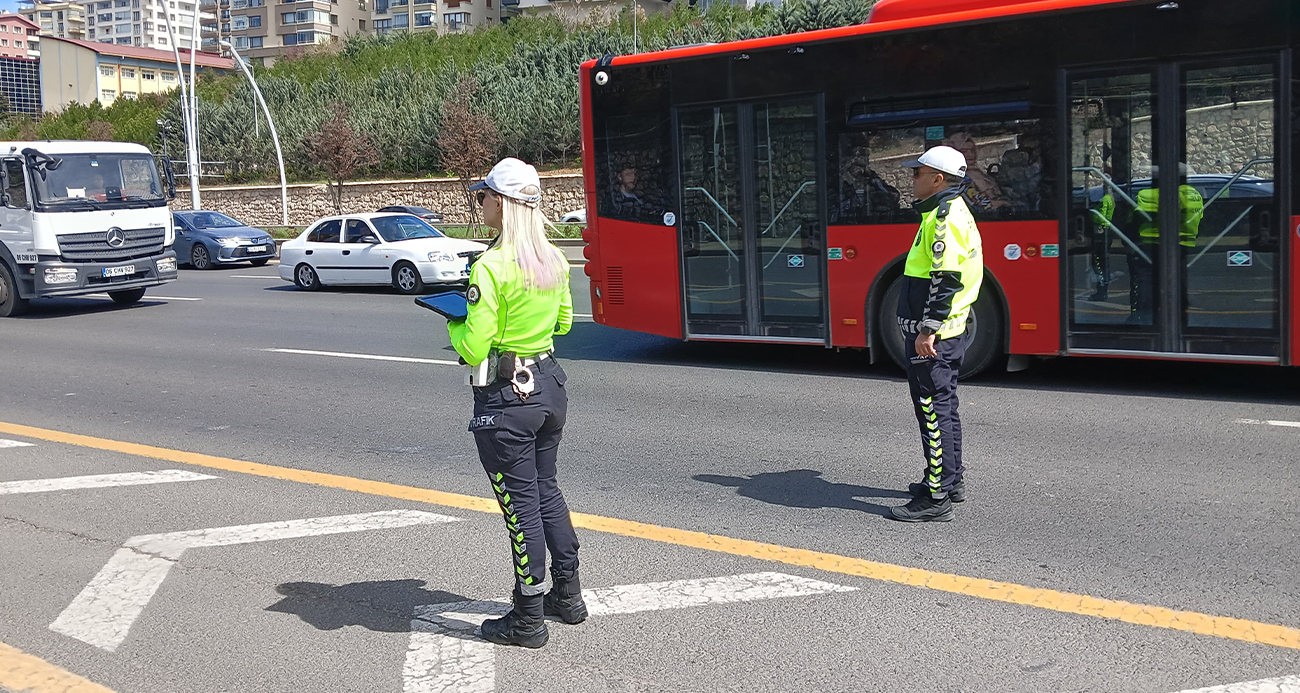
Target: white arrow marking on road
x=446 y=655
x=368 y=357
x=1259 y=422
x=15 y=444
x=103 y=612
x=69 y=483
x=1285 y=684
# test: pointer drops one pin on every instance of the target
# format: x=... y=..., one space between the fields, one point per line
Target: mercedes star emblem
x=116 y=237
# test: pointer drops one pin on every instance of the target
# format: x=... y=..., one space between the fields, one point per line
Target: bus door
x=752 y=225
x=1174 y=232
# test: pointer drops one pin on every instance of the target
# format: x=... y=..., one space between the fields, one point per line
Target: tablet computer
x=451 y=305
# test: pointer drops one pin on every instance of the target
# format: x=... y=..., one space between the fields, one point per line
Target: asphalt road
x=1122 y=481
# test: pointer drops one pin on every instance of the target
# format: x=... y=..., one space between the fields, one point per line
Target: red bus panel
x=623 y=259
x=1030 y=283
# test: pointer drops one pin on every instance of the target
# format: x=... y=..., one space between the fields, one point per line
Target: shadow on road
x=386 y=606
x=52 y=308
x=805 y=488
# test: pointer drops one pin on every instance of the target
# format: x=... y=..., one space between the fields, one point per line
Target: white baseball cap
x=943 y=159
x=513 y=178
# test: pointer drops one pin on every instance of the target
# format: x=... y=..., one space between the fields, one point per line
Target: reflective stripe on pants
x=933 y=386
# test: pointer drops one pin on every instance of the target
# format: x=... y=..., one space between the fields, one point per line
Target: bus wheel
x=985 y=349
x=11 y=304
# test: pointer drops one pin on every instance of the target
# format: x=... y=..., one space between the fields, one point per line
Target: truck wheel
x=305 y=277
x=127 y=297
x=11 y=304
x=199 y=257
x=984 y=350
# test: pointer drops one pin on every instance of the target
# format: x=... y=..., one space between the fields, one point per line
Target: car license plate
x=122 y=271
x=256 y=249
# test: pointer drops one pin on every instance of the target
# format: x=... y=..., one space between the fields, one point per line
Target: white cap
x=513 y=178
x=943 y=159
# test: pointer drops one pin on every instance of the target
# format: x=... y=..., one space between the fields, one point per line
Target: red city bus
x=752 y=191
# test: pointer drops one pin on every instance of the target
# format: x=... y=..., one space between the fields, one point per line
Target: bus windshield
x=99 y=181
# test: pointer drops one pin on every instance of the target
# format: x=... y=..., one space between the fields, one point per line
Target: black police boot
x=923 y=509
x=523 y=626
x=564 y=601
x=957 y=494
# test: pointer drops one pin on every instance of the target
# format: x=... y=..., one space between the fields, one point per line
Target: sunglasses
x=482 y=195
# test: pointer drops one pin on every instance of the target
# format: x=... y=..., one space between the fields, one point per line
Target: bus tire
x=985 y=349
x=11 y=304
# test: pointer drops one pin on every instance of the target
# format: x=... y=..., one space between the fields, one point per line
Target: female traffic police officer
x=518 y=299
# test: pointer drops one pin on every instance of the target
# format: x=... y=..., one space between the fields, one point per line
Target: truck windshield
x=99 y=181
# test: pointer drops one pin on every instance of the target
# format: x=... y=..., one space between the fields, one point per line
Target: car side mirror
x=370 y=239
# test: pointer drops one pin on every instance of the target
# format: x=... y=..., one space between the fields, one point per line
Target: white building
x=143 y=23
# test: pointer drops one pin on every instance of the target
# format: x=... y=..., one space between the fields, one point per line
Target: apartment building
x=265 y=30
x=75 y=71
x=444 y=17
x=19 y=37
x=62 y=19
x=143 y=23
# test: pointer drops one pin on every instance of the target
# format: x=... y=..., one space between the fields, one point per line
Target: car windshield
x=100 y=181
x=212 y=220
x=404 y=228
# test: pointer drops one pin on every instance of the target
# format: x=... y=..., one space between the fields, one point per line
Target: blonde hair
x=523 y=235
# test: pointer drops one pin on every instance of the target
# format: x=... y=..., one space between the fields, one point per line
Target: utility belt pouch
x=506 y=365
x=484 y=373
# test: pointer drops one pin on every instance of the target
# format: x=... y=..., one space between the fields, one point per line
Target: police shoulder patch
x=473 y=294
x=938 y=248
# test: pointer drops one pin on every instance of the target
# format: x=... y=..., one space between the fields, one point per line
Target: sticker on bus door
x=1241 y=258
x=794 y=261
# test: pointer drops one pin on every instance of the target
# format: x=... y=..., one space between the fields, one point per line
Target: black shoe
x=564 y=601
x=923 y=509
x=523 y=626
x=957 y=494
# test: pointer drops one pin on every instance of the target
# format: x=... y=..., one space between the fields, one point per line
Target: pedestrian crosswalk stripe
x=15 y=444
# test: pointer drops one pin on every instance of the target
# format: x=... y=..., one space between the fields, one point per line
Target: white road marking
x=15 y=444
x=102 y=614
x=1259 y=422
x=151 y=296
x=165 y=476
x=445 y=653
x=1284 y=684
x=254 y=276
x=369 y=357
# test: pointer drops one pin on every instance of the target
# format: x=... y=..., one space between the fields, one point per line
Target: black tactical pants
x=518 y=441
x=933 y=384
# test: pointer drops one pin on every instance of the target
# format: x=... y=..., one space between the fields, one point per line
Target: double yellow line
x=1065 y=602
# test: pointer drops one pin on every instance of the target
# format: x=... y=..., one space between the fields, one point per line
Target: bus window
x=1005 y=159
x=633 y=177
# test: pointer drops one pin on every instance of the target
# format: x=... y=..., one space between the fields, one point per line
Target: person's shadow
x=804 y=488
x=387 y=606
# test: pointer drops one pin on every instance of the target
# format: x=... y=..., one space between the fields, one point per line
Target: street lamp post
x=284 y=189
x=187 y=114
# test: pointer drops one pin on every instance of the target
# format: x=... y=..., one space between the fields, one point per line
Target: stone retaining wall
x=260 y=205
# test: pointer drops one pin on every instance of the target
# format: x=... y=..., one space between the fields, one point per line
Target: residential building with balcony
x=144 y=23
x=62 y=19
x=19 y=37
x=74 y=71
x=442 y=16
x=266 y=30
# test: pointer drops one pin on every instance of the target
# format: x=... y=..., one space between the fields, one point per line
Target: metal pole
x=195 y=40
x=284 y=188
x=636 y=41
x=187 y=120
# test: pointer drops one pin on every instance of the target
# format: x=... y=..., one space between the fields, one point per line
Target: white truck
x=81 y=218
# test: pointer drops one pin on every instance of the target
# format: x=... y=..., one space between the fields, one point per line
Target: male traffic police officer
x=941 y=281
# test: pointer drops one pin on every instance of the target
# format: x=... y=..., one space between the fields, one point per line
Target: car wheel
x=199 y=257
x=11 y=304
x=984 y=349
x=127 y=297
x=305 y=277
x=406 y=278
x=259 y=263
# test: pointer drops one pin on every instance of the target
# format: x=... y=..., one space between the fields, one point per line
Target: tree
x=340 y=151
x=100 y=130
x=468 y=138
x=4 y=106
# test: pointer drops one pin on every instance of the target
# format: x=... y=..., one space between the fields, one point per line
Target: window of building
x=225 y=28
x=4 y=29
x=290 y=39
x=162 y=41
x=361 y=5
x=289 y=18
x=254 y=22
x=135 y=16
x=107 y=94
x=334 y=19
x=136 y=41
x=456 y=20
x=123 y=16
x=128 y=73
x=60 y=16
x=169 y=76
x=128 y=95
x=108 y=70
x=383 y=26
x=122 y=29
x=149 y=75
x=136 y=28
x=90 y=20
x=401 y=21
x=255 y=41
x=361 y=24
x=47 y=15
x=106 y=17
x=424 y=19
x=19 y=44
x=238 y=24
x=186 y=7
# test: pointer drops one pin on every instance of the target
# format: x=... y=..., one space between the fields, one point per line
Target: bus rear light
x=1029 y=326
x=850 y=253
x=1032 y=251
x=850 y=321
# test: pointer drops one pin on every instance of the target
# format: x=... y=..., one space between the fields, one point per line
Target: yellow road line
x=1065 y=602
x=23 y=673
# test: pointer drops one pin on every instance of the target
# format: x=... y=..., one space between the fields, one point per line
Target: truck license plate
x=122 y=271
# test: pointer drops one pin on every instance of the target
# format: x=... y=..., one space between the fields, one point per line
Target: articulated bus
x=753 y=191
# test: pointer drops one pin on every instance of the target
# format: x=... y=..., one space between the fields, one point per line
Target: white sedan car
x=375 y=249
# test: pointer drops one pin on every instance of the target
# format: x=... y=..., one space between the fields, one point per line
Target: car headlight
x=228 y=242
x=440 y=256
x=60 y=275
x=167 y=264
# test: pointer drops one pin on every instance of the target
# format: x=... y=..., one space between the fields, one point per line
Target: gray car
x=207 y=239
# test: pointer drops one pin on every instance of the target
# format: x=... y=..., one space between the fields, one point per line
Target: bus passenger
x=624 y=199
x=984 y=194
x=942 y=279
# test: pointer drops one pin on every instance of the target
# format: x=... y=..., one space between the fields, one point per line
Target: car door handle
x=308 y=252
x=347 y=252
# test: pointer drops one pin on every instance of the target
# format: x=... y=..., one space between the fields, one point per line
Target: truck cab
x=79 y=218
